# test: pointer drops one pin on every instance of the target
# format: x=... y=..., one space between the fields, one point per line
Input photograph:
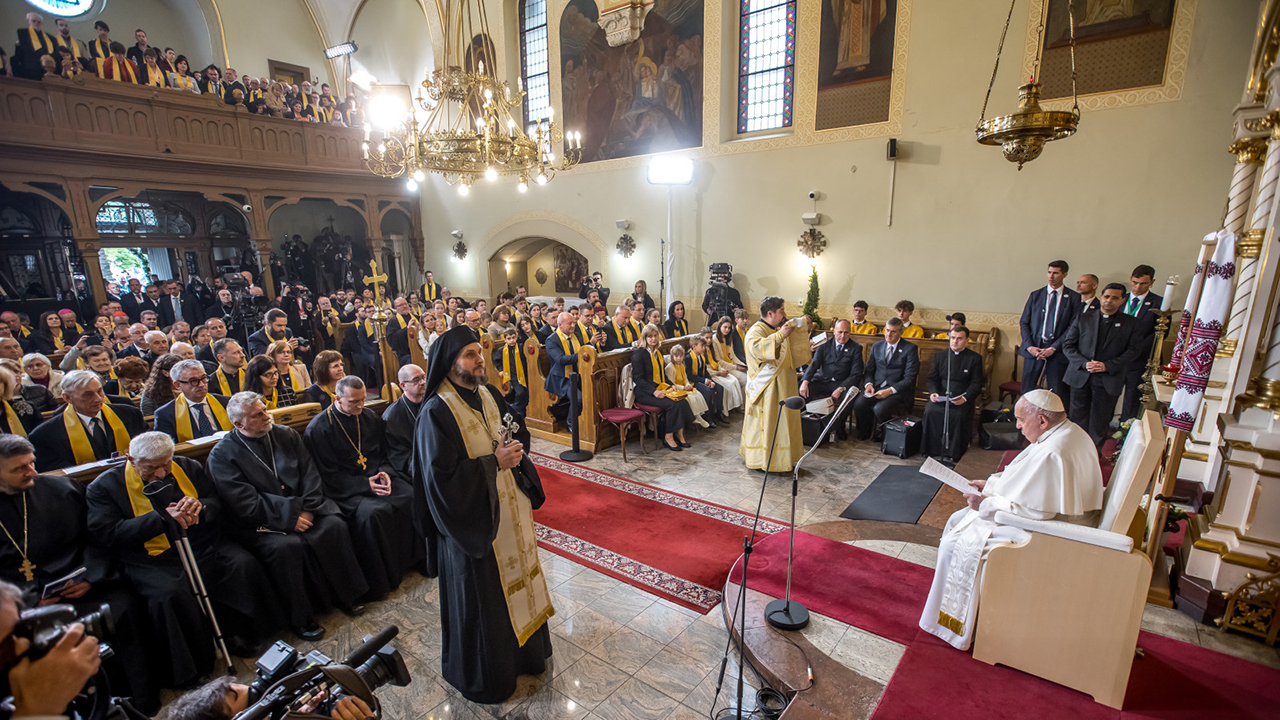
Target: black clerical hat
x=444 y=351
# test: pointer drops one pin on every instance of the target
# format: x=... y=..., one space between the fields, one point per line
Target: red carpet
x=673 y=546
x=841 y=581
x=1174 y=681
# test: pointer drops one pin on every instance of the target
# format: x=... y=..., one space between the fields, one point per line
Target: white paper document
x=947 y=476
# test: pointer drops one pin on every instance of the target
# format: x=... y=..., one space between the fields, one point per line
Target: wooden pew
x=985 y=343
x=294 y=416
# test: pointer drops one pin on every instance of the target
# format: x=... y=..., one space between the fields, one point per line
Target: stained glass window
x=766 y=64
x=533 y=59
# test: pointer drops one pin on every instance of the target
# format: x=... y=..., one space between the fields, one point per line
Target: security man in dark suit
x=835 y=369
x=1099 y=349
x=178 y=304
x=1140 y=306
x=1046 y=318
x=890 y=380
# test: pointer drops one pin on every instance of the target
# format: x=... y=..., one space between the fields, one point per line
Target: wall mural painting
x=643 y=97
x=1120 y=45
x=571 y=267
x=855 y=62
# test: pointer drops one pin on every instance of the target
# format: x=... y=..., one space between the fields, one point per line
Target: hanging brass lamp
x=1022 y=135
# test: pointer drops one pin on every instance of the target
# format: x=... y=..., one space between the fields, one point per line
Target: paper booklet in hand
x=57 y=586
x=949 y=398
x=947 y=476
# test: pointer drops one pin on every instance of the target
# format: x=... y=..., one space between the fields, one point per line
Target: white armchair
x=1067 y=604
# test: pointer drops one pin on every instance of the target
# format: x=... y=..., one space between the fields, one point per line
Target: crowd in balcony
x=39 y=54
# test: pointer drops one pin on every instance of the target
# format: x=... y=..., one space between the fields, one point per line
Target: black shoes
x=311 y=632
x=355 y=610
x=672 y=448
x=683 y=444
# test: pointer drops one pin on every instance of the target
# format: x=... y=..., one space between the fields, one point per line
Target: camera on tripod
x=289 y=682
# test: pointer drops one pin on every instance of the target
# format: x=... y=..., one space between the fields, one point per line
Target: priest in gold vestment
x=774 y=347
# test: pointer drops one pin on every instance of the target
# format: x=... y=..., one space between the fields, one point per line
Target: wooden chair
x=622 y=416
x=1066 y=605
x=1013 y=388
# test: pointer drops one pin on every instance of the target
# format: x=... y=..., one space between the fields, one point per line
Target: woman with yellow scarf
x=648 y=371
x=682 y=388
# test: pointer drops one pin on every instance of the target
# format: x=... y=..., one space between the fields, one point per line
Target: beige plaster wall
x=394 y=42
x=179 y=24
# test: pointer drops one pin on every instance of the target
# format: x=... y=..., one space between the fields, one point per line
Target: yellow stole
x=142 y=505
x=104 y=49
x=70 y=44
x=625 y=334
x=708 y=359
x=682 y=327
x=185 y=82
x=122 y=67
x=222 y=380
x=678 y=378
x=583 y=335
x=182 y=422
x=26 y=331
x=155 y=78
x=40 y=40
x=741 y=336
x=255 y=95
x=15 y=424
x=537 y=322
x=508 y=361
x=516 y=545
x=564 y=343
x=368 y=328
x=296 y=380
x=57 y=340
x=400 y=320
x=306 y=101
x=659 y=370
x=273 y=401
x=78 y=436
x=694 y=360
x=429 y=291
x=326 y=114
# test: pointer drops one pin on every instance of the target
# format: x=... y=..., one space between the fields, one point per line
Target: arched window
x=136 y=217
x=533 y=59
x=766 y=68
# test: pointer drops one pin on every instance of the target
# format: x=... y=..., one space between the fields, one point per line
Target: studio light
x=670 y=170
x=338 y=51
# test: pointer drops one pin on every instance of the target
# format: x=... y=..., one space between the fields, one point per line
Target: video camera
x=44 y=627
x=288 y=682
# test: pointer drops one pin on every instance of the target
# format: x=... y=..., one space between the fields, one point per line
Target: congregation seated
x=158 y=389
x=37 y=370
x=88 y=429
x=194 y=412
x=326 y=371
x=654 y=389
x=835 y=369
x=904 y=310
x=889 y=381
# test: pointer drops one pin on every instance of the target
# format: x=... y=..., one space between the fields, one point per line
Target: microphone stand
x=946 y=411
x=787 y=614
x=181 y=542
x=575 y=453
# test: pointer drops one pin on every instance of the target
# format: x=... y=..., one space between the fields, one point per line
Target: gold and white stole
x=141 y=504
x=516 y=547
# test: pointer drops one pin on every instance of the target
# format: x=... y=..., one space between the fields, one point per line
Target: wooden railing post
x=587 y=412
x=538 y=416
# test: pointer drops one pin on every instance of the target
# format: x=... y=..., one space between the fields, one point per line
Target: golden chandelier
x=461 y=126
x=1022 y=135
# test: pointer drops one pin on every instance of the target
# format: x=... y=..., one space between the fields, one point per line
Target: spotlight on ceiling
x=338 y=51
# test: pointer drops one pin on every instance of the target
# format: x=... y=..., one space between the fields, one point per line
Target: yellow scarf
x=400 y=321
x=57 y=340
x=296 y=380
x=306 y=101
x=326 y=114
x=429 y=291
x=681 y=327
x=583 y=335
x=694 y=360
x=104 y=49
x=185 y=82
x=742 y=338
x=678 y=378
x=273 y=400
x=155 y=78
x=537 y=322
x=368 y=328
x=564 y=343
x=710 y=361
x=659 y=370
x=70 y=44
x=142 y=505
x=625 y=334
x=40 y=40
x=255 y=95
x=507 y=352
x=78 y=436
x=15 y=424
x=226 y=386
x=123 y=67
x=182 y=421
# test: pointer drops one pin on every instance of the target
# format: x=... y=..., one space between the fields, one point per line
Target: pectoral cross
x=28 y=569
x=375 y=281
x=361 y=460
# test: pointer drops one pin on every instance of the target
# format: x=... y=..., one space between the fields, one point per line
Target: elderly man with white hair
x=194 y=412
x=137 y=511
x=183 y=350
x=157 y=342
x=88 y=429
x=1057 y=477
x=275 y=501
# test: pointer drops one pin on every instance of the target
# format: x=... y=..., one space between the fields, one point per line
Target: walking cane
x=182 y=543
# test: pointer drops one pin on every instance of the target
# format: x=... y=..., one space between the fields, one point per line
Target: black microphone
x=370 y=647
x=795 y=402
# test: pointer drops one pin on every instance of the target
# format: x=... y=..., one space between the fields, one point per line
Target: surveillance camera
x=457 y=234
x=247 y=208
x=623 y=224
x=813 y=194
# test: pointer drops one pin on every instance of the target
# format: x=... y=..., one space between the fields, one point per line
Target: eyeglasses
x=416 y=381
x=271 y=374
x=202 y=380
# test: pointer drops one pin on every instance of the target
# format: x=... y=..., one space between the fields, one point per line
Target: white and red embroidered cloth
x=1202 y=340
x=1189 y=307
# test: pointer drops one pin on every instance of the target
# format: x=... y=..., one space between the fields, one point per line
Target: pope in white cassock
x=1056 y=478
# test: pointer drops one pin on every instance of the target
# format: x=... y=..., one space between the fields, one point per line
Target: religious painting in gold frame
x=855 y=62
x=571 y=267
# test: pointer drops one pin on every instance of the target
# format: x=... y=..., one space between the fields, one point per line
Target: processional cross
x=376 y=281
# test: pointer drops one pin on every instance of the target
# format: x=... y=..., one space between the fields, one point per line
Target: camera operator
x=721 y=299
x=593 y=282
x=43 y=688
x=225 y=698
x=226 y=311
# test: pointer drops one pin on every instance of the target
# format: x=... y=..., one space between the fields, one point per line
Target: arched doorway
x=547 y=267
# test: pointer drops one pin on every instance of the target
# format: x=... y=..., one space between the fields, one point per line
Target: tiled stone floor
x=622 y=654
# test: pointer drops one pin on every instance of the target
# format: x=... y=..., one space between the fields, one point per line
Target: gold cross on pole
x=376 y=281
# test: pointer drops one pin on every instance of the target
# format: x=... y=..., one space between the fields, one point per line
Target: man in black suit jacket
x=106 y=428
x=33 y=42
x=836 y=368
x=955 y=373
x=1087 y=287
x=1046 y=318
x=1099 y=348
x=1140 y=306
x=132 y=301
x=275 y=326
x=179 y=305
x=890 y=380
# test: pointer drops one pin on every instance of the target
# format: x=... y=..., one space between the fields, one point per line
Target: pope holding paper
x=1056 y=478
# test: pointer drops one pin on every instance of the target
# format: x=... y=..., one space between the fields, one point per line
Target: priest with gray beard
x=481 y=491
x=1056 y=478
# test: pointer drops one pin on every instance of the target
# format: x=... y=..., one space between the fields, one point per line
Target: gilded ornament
x=1249 y=150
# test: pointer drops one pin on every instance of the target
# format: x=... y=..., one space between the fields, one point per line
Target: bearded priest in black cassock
x=121 y=518
x=954 y=373
x=481 y=491
x=276 y=507
x=44 y=516
x=349 y=447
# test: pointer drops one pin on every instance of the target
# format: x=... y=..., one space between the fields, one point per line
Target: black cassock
x=401 y=418
x=59 y=545
x=481 y=656
x=950 y=374
x=242 y=596
x=264 y=484
x=383 y=529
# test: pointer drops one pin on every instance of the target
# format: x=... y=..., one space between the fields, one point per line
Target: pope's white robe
x=1057 y=478
x=771 y=368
